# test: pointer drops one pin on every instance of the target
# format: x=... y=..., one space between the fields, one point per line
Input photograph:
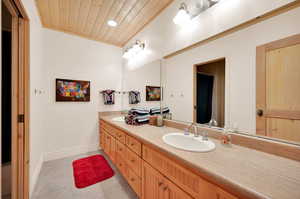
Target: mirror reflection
x=142 y=87
x=209 y=93
x=220 y=93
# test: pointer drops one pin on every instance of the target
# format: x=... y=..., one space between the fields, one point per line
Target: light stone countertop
x=252 y=173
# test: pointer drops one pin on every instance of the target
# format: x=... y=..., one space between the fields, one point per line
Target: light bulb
x=112 y=23
x=182 y=17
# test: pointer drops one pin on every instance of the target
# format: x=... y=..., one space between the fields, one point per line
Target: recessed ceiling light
x=112 y=23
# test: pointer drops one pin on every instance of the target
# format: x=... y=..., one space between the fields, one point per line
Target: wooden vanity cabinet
x=152 y=174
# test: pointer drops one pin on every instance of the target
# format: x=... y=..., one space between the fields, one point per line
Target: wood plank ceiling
x=88 y=18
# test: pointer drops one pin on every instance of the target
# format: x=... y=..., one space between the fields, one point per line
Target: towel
x=133 y=119
x=139 y=111
x=155 y=111
x=134 y=97
x=108 y=97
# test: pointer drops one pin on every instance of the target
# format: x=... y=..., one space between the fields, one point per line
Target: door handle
x=259 y=112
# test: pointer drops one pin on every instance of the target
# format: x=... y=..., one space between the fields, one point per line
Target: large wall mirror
x=252 y=92
x=246 y=92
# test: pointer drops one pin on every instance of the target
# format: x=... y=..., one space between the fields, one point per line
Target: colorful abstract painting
x=153 y=93
x=72 y=90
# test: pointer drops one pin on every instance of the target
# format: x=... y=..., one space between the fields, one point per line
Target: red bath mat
x=91 y=170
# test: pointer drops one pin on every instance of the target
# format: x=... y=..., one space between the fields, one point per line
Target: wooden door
x=278 y=95
x=20 y=99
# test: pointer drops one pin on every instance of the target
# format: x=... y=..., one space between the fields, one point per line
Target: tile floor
x=56 y=182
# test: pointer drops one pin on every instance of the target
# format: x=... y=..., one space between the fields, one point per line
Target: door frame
x=20 y=99
x=195 y=83
x=261 y=51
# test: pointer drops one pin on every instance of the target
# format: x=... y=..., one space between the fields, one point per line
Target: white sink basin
x=188 y=142
x=119 y=119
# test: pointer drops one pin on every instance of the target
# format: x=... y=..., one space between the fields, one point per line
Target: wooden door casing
x=278 y=79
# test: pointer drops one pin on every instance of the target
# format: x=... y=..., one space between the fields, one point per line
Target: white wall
x=137 y=79
x=240 y=52
x=73 y=126
x=163 y=37
x=59 y=129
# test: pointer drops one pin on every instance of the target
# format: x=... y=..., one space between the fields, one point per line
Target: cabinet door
x=151 y=183
x=221 y=194
x=157 y=186
x=171 y=191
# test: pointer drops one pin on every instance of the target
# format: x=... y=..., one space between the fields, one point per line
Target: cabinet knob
x=166 y=188
x=259 y=112
x=160 y=183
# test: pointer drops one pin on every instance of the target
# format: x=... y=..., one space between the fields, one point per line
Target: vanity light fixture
x=184 y=16
x=134 y=50
x=112 y=23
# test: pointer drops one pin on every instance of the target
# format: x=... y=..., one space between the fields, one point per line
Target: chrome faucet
x=193 y=127
x=212 y=122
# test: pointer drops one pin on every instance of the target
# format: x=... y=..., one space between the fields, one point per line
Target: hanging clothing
x=134 y=97
x=108 y=97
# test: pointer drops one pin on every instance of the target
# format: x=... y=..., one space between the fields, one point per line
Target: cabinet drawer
x=113 y=149
x=107 y=141
x=120 y=149
x=134 y=145
x=135 y=182
x=121 y=136
x=134 y=162
x=122 y=166
x=108 y=128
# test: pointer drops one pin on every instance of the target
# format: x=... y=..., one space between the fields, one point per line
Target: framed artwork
x=153 y=93
x=72 y=90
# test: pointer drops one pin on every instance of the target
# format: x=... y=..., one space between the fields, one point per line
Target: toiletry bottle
x=226 y=137
x=160 y=120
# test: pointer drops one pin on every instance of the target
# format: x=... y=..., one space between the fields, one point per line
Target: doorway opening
x=14 y=101
x=209 y=92
x=6 y=103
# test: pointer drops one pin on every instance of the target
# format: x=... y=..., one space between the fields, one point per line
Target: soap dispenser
x=226 y=137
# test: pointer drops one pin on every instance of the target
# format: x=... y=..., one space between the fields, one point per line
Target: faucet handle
x=204 y=136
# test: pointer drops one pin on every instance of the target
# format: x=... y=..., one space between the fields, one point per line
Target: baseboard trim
x=35 y=175
x=66 y=152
